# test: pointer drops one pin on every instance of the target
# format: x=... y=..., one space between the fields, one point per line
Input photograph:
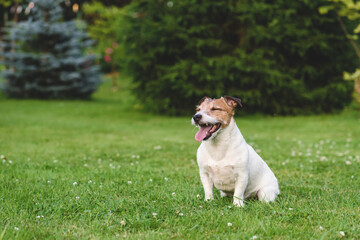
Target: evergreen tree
x=279 y=57
x=44 y=56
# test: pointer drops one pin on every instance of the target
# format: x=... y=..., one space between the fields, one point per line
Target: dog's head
x=213 y=115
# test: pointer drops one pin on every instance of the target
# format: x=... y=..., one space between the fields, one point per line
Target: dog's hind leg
x=268 y=193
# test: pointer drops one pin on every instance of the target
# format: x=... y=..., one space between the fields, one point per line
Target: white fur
x=205 y=118
x=227 y=162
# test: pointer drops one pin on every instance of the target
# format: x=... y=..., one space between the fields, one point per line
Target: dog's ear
x=203 y=100
x=232 y=101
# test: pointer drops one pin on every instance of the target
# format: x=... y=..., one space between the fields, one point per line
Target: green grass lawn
x=101 y=170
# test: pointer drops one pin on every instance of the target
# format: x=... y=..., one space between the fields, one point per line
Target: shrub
x=105 y=25
x=279 y=58
x=44 y=56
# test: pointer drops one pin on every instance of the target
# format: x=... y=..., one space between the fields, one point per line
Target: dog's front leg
x=240 y=186
x=208 y=186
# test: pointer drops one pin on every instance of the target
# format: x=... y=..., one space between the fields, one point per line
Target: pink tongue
x=201 y=134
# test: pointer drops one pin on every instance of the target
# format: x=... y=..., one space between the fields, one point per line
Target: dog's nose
x=197 y=117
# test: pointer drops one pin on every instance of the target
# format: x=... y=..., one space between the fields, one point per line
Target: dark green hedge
x=279 y=58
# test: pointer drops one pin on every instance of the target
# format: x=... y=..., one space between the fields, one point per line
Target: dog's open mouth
x=206 y=131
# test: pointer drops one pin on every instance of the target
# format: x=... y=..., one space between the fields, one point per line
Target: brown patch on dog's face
x=221 y=109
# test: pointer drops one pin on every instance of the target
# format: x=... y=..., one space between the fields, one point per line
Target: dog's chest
x=223 y=174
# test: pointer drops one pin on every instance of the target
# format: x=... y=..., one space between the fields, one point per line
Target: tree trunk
x=357 y=90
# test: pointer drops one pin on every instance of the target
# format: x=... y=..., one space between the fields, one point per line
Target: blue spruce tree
x=44 y=56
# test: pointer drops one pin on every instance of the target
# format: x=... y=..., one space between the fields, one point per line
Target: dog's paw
x=223 y=194
x=209 y=197
x=238 y=203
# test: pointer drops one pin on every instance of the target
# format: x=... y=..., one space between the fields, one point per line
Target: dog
x=225 y=159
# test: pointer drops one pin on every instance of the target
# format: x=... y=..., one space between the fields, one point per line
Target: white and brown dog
x=225 y=159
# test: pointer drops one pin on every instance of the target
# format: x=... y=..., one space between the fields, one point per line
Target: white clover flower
x=38 y=217
x=10 y=161
x=74 y=183
x=170 y=4
x=154 y=215
x=181 y=214
x=150 y=180
x=77 y=198
x=123 y=223
x=291 y=209
x=341 y=234
x=254 y=237
x=86 y=165
x=132 y=164
x=174 y=194
x=198 y=195
x=321 y=228
x=3 y=157
x=89 y=181
x=229 y=224
x=129 y=182
x=348 y=162
x=16 y=228
x=166 y=179
x=49 y=181
x=157 y=147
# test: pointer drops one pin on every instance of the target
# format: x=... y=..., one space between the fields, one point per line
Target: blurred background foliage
x=282 y=57
x=44 y=56
x=349 y=9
